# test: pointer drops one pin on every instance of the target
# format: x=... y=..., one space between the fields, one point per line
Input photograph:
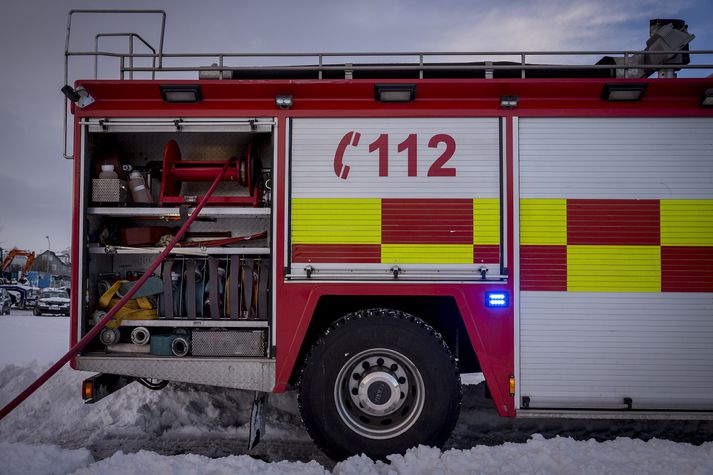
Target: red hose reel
x=243 y=173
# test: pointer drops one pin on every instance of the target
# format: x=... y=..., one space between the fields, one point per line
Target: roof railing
x=68 y=53
x=520 y=61
x=627 y=63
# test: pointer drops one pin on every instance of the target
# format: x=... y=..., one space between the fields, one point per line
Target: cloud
x=546 y=25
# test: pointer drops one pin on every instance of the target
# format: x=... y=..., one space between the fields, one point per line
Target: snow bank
x=149 y=463
x=23 y=459
x=539 y=455
x=57 y=414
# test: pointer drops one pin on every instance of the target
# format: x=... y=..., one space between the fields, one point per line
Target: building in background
x=49 y=270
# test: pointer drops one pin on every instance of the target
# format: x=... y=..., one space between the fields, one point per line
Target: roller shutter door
x=616 y=262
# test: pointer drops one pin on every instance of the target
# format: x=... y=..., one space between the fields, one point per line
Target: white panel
x=476 y=159
x=590 y=350
x=626 y=158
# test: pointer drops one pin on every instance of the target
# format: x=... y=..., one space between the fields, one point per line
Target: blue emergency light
x=497 y=299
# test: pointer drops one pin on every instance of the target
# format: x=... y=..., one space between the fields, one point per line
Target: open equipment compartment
x=211 y=296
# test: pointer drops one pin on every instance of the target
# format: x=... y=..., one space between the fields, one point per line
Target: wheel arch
x=441 y=312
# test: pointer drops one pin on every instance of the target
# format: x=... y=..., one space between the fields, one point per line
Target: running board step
x=255 y=374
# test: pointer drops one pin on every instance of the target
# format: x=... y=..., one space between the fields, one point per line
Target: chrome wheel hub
x=379 y=393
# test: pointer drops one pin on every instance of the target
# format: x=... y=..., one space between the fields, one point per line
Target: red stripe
x=326 y=253
x=687 y=269
x=543 y=268
x=613 y=222
x=426 y=221
x=486 y=254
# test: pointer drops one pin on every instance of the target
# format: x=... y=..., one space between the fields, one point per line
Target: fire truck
x=364 y=230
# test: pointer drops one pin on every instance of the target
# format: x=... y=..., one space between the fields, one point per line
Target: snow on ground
x=191 y=429
x=26 y=338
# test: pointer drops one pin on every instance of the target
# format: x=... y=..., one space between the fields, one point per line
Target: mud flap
x=257 y=419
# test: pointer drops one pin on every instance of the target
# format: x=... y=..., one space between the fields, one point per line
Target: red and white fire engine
x=367 y=231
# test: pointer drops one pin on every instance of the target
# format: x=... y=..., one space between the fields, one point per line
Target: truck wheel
x=36 y=312
x=378 y=382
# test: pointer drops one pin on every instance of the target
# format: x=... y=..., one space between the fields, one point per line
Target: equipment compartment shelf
x=203 y=323
x=189 y=251
x=161 y=212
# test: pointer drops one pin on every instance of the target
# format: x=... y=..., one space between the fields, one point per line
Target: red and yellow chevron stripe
x=616 y=245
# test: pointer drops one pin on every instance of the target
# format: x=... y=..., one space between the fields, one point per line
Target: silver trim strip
x=286 y=184
x=196 y=323
x=380 y=276
x=178 y=125
x=273 y=238
x=515 y=263
x=181 y=121
x=175 y=212
x=189 y=251
x=646 y=415
x=504 y=193
x=81 y=248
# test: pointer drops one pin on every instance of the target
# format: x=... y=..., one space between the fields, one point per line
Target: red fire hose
x=110 y=314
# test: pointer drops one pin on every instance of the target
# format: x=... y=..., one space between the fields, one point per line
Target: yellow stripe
x=687 y=222
x=486 y=221
x=336 y=220
x=426 y=253
x=613 y=269
x=543 y=221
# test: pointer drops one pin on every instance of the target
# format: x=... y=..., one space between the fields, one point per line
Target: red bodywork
x=490 y=330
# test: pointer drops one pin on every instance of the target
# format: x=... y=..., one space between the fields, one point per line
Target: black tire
x=372 y=356
x=36 y=312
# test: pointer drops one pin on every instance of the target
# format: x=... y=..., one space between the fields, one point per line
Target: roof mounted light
x=624 y=92
x=181 y=93
x=394 y=92
x=283 y=101
x=509 y=102
x=707 y=100
x=79 y=96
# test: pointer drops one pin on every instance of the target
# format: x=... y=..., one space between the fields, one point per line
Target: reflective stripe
x=486 y=221
x=543 y=221
x=687 y=222
x=427 y=253
x=336 y=220
x=613 y=268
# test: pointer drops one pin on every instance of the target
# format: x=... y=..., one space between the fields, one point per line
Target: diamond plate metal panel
x=108 y=190
x=228 y=343
x=249 y=374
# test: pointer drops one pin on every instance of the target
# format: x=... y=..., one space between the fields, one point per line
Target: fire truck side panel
x=369 y=219
x=616 y=256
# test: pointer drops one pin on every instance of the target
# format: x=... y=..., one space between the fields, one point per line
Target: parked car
x=52 y=301
x=23 y=296
x=5 y=302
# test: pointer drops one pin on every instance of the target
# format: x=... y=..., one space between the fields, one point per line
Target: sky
x=35 y=180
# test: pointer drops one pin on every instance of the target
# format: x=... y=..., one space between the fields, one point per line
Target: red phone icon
x=340 y=169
